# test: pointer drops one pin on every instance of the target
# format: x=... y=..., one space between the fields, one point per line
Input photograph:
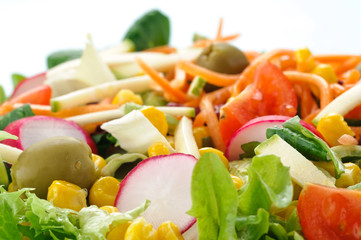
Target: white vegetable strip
x=135 y=133
x=9 y=154
x=104 y=116
x=342 y=104
x=99 y=92
x=183 y=138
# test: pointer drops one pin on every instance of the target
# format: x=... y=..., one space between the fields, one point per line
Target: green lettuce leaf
x=214 y=199
x=20 y=112
x=253 y=226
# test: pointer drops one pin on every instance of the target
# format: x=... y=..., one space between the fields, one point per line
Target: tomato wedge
x=271 y=93
x=329 y=213
x=37 y=95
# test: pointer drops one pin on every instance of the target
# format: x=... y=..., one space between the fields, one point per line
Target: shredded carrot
x=247 y=75
x=357 y=131
x=251 y=55
x=310 y=117
x=164 y=83
x=220 y=27
x=207 y=109
x=336 y=89
x=351 y=76
x=162 y=49
x=332 y=58
x=217 y=79
x=206 y=42
x=313 y=79
x=308 y=104
x=348 y=64
x=199 y=120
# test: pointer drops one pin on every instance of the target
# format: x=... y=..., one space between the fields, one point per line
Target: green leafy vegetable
x=39 y=219
x=295 y=126
x=17 y=78
x=151 y=30
x=2 y=95
x=248 y=149
x=214 y=199
x=59 y=57
x=18 y=113
x=253 y=226
x=115 y=161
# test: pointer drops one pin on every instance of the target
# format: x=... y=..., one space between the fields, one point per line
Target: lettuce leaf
x=39 y=219
x=20 y=112
x=214 y=199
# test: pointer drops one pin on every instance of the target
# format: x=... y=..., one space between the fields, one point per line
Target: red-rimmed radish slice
x=33 y=129
x=165 y=181
x=29 y=83
x=255 y=130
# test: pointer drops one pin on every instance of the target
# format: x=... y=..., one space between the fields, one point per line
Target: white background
x=30 y=30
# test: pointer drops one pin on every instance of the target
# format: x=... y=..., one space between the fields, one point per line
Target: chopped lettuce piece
x=20 y=112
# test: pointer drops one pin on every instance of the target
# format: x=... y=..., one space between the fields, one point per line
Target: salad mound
x=144 y=140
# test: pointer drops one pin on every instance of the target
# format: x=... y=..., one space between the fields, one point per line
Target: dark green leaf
x=151 y=30
x=214 y=199
x=18 y=113
x=248 y=149
x=62 y=56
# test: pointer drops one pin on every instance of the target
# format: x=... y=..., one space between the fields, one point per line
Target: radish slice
x=33 y=129
x=29 y=83
x=255 y=130
x=165 y=181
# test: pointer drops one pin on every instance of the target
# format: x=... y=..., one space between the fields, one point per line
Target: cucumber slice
x=196 y=87
x=301 y=169
x=99 y=92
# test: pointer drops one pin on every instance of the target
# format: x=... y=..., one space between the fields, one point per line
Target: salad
x=143 y=140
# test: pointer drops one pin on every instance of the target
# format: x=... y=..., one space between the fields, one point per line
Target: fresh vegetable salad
x=148 y=141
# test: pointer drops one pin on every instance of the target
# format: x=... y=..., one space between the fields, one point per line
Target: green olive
x=56 y=158
x=223 y=58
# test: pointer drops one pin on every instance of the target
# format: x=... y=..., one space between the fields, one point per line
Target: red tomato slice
x=329 y=213
x=37 y=95
x=271 y=93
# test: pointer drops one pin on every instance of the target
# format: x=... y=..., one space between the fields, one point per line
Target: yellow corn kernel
x=109 y=209
x=118 y=232
x=351 y=176
x=216 y=151
x=199 y=133
x=11 y=187
x=99 y=163
x=305 y=60
x=332 y=127
x=325 y=71
x=67 y=195
x=125 y=96
x=169 y=231
x=158 y=148
x=157 y=118
x=139 y=229
x=104 y=191
x=238 y=182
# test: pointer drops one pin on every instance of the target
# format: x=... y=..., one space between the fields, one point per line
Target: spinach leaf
x=214 y=199
x=18 y=113
x=59 y=57
x=151 y=30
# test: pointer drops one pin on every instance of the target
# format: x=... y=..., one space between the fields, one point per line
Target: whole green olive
x=223 y=58
x=56 y=158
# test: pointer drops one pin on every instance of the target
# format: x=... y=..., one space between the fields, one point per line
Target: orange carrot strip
x=218 y=79
x=247 y=75
x=220 y=26
x=352 y=76
x=336 y=89
x=332 y=58
x=199 y=120
x=308 y=104
x=319 y=82
x=251 y=55
x=179 y=95
x=310 y=117
x=205 y=42
x=348 y=64
x=162 y=49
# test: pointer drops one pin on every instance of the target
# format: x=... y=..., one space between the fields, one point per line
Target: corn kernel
x=332 y=127
x=351 y=176
x=157 y=148
x=109 y=209
x=99 y=163
x=125 y=96
x=118 y=232
x=216 y=151
x=199 y=133
x=325 y=71
x=238 y=182
x=169 y=231
x=67 y=195
x=305 y=60
x=139 y=229
x=104 y=191
x=157 y=118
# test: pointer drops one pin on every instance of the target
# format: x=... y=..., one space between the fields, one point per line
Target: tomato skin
x=37 y=95
x=271 y=93
x=329 y=213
